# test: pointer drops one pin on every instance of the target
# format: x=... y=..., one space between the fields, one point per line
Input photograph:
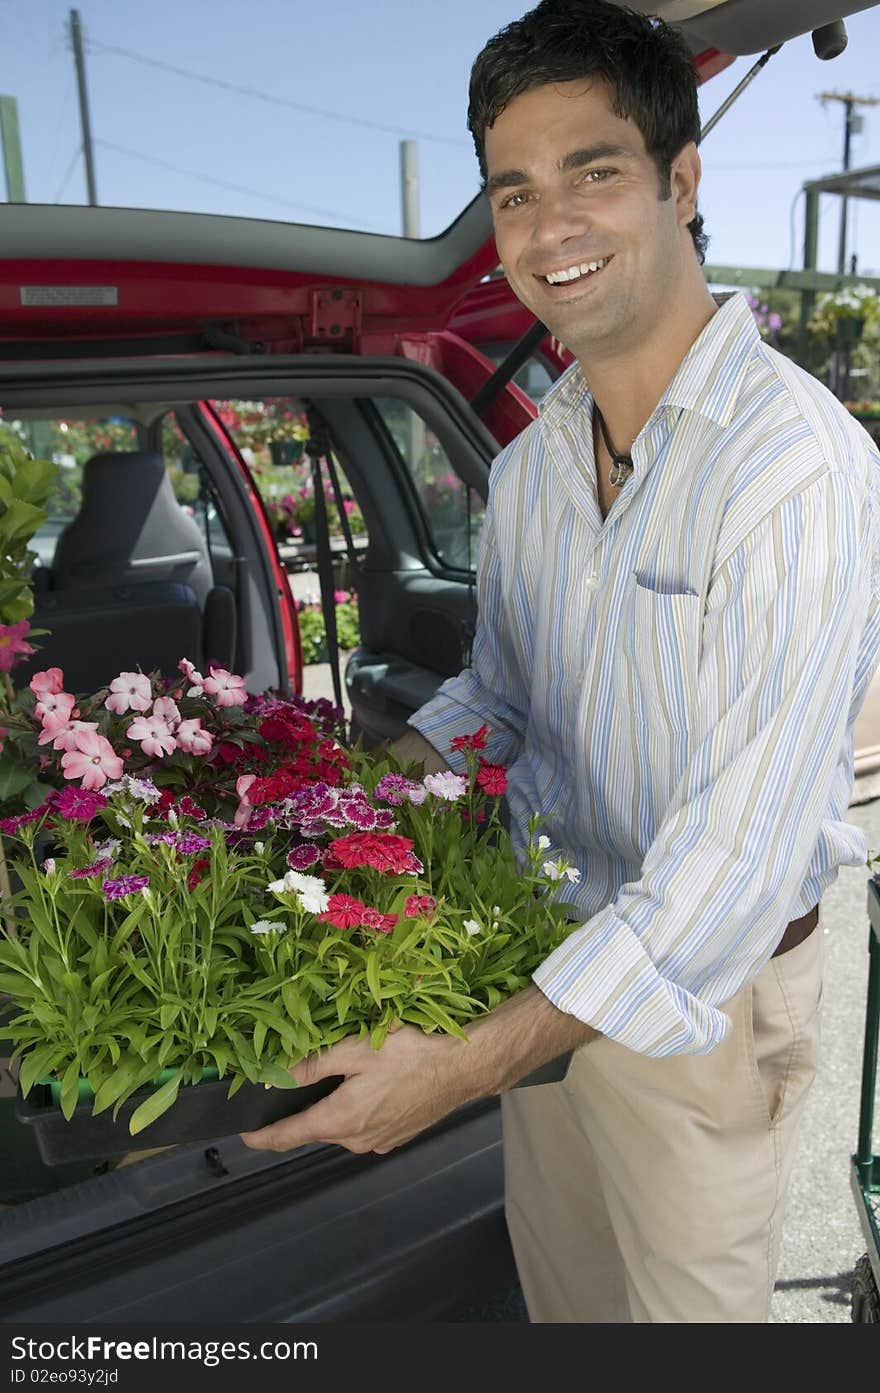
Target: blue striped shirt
x=675 y=689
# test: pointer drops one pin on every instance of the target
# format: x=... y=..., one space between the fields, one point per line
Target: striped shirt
x=674 y=689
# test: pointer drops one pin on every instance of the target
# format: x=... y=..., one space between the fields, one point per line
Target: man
x=678 y=622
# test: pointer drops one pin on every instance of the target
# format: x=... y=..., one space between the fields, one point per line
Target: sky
x=332 y=89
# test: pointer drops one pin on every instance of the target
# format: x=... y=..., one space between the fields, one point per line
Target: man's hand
x=391 y=1094
x=413 y=748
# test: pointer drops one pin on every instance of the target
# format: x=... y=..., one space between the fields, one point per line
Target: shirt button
x=592 y=581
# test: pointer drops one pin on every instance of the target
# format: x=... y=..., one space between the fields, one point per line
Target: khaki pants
x=652 y=1189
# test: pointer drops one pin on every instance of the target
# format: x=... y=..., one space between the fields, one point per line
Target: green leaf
x=259 y=1037
x=21 y=519
x=13 y=778
x=277 y=1075
x=157 y=1103
x=37 y=1064
x=373 y=981
x=70 y=1089
x=168 y=1015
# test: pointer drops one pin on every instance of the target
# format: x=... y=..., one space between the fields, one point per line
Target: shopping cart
x=865 y=1165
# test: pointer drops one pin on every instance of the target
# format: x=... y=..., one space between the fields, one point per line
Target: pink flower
x=55 y=704
x=48 y=683
x=167 y=711
x=192 y=738
x=79 y=805
x=130 y=691
x=154 y=736
x=192 y=676
x=12 y=645
x=245 y=807
x=419 y=906
x=92 y=760
x=225 y=687
x=61 y=732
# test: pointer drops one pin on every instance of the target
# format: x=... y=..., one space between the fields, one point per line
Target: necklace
x=621 y=465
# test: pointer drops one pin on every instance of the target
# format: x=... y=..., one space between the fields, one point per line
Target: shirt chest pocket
x=663 y=648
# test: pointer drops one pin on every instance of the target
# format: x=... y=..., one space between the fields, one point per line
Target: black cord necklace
x=621 y=465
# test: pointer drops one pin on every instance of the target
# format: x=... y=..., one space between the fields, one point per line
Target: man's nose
x=560 y=218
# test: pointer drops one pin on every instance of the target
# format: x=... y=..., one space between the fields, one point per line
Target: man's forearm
x=521 y=1034
x=413 y=748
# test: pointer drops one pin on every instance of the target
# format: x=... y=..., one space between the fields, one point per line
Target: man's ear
x=684 y=180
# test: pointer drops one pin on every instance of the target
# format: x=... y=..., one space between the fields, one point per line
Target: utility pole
x=79 y=60
x=852 y=127
x=409 y=187
x=10 y=139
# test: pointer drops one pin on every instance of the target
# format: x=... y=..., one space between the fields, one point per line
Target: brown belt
x=797 y=931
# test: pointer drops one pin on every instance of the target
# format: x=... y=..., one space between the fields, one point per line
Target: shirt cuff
x=459 y=708
x=602 y=975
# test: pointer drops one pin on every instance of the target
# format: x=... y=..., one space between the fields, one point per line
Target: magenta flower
x=47 y=683
x=154 y=736
x=79 y=804
x=392 y=787
x=190 y=843
x=302 y=857
x=95 y=869
x=93 y=760
x=225 y=687
x=10 y=825
x=12 y=645
x=123 y=885
x=130 y=691
x=192 y=738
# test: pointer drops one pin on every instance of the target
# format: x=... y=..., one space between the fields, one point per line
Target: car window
x=189 y=479
x=272 y=435
x=447 y=503
x=69 y=441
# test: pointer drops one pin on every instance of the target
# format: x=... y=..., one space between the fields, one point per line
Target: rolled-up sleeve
x=491 y=690
x=783 y=637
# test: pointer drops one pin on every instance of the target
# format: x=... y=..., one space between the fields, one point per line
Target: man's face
x=572 y=186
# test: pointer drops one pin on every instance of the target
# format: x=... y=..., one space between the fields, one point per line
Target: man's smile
x=560 y=282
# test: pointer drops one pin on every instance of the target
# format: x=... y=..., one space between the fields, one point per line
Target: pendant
x=620 y=472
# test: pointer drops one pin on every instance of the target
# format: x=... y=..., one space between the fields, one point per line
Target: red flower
x=191 y=809
x=420 y=906
x=288 y=730
x=492 y=778
x=198 y=872
x=382 y=850
x=162 y=804
x=343 y=912
x=475 y=741
x=375 y=919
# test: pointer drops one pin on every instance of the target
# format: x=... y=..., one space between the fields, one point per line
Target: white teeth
x=575 y=272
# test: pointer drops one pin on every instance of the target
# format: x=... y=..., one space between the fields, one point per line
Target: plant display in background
x=313 y=632
x=858 y=303
x=25 y=484
x=238 y=923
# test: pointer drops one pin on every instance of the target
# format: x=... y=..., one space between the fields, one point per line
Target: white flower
x=315 y=901
x=260 y=848
x=278 y=887
x=552 y=870
x=573 y=874
x=108 y=848
x=49 y=865
x=265 y=926
x=471 y=927
x=446 y=785
x=307 y=884
x=141 y=789
x=543 y=843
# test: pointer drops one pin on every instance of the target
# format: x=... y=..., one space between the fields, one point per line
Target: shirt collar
x=708 y=380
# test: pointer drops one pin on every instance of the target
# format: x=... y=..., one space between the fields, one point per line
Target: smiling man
x=679 y=618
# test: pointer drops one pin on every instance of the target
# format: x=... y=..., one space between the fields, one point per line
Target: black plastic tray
x=202 y=1112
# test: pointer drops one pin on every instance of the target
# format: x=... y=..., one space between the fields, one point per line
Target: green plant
x=152 y=939
x=313 y=633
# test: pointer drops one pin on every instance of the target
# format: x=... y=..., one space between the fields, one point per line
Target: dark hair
x=645 y=64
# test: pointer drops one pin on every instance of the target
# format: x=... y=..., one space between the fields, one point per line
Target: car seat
x=130 y=528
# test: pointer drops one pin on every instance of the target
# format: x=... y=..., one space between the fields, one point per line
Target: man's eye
x=596 y=176
x=514 y=200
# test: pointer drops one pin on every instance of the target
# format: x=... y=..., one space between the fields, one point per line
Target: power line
x=236 y=188
x=70 y=168
x=97 y=47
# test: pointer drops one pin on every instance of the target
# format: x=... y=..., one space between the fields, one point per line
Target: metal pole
x=409 y=187
x=811 y=253
x=847 y=138
x=10 y=138
x=76 y=36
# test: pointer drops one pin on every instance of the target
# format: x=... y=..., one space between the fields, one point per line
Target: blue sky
x=167 y=141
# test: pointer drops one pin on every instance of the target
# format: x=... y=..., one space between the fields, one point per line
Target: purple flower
x=79 y=804
x=190 y=843
x=96 y=868
x=168 y=838
x=301 y=857
x=10 y=825
x=124 y=885
x=359 y=813
x=775 y=322
x=392 y=787
x=384 y=820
